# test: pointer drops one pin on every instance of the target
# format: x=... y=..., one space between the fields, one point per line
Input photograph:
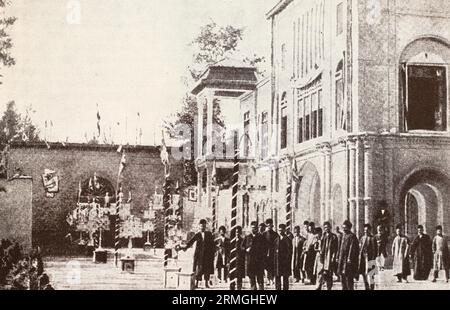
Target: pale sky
x=127 y=56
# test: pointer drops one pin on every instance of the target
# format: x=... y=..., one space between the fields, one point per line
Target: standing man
x=328 y=256
x=422 y=255
x=441 y=254
x=297 y=247
x=381 y=240
x=400 y=251
x=282 y=258
x=240 y=258
x=348 y=257
x=339 y=235
x=254 y=246
x=367 y=256
x=309 y=254
x=204 y=254
x=270 y=235
x=222 y=254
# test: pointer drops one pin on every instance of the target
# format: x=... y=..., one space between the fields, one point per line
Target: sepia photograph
x=224 y=146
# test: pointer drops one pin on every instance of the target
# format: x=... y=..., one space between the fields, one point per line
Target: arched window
x=341 y=113
x=423 y=82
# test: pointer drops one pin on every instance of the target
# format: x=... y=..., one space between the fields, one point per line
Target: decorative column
x=325 y=149
x=352 y=181
x=368 y=199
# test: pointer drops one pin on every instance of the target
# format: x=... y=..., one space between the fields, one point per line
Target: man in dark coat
x=270 y=235
x=255 y=249
x=348 y=257
x=381 y=240
x=282 y=258
x=204 y=254
x=367 y=256
x=222 y=254
x=240 y=258
x=422 y=255
x=328 y=256
x=297 y=248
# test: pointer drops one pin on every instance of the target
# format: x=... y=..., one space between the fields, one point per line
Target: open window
x=426 y=98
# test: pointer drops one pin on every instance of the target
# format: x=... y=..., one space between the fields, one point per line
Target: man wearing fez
x=203 y=255
x=348 y=257
x=367 y=256
x=297 y=247
x=422 y=255
x=282 y=258
x=270 y=235
x=441 y=254
x=240 y=258
x=254 y=246
x=222 y=254
x=328 y=256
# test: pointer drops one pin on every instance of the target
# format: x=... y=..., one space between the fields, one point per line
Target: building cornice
x=279 y=7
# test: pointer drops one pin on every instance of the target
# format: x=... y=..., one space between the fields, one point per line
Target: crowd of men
x=316 y=256
x=19 y=271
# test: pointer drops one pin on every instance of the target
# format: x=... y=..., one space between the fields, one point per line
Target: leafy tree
x=5 y=40
x=10 y=124
x=15 y=128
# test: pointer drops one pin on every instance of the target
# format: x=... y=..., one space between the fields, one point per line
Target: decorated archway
x=424 y=201
x=308 y=195
x=338 y=206
x=96 y=187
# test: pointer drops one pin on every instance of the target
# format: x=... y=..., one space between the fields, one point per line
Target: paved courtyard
x=81 y=273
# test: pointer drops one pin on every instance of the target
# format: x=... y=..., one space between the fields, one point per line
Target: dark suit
x=203 y=255
x=222 y=256
x=282 y=259
x=367 y=256
x=240 y=262
x=255 y=250
x=348 y=260
x=297 y=248
x=270 y=237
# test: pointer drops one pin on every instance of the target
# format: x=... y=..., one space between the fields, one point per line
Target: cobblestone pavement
x=81 y=273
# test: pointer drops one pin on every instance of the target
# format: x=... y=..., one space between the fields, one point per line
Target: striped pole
x=166 y=205
x=117 y=233
x=214 y=219
x=289 y=206
x=233 y=254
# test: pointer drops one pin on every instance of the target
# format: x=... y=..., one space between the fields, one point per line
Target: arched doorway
x=308 y=195
x=338 y=206
x=425 y=201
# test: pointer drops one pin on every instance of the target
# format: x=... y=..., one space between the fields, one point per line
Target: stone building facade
x=358 y=101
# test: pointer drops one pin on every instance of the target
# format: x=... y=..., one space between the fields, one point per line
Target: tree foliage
x=212 y=44
x=17 y=128
x=5 y=40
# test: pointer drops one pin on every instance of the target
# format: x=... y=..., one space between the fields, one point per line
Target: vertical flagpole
x=233 y=263
x=166 y=205
x=118 y=202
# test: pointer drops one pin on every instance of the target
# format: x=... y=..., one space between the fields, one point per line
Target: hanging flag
x=69 y=219
x=295 y=173
x=50 y=181
x=98 y=121
x=79 y=191
x=214 y=174
x=119 y=149
x=123 y=163
x=165 y=158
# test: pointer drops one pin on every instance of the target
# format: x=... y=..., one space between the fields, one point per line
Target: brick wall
x=75 y=163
